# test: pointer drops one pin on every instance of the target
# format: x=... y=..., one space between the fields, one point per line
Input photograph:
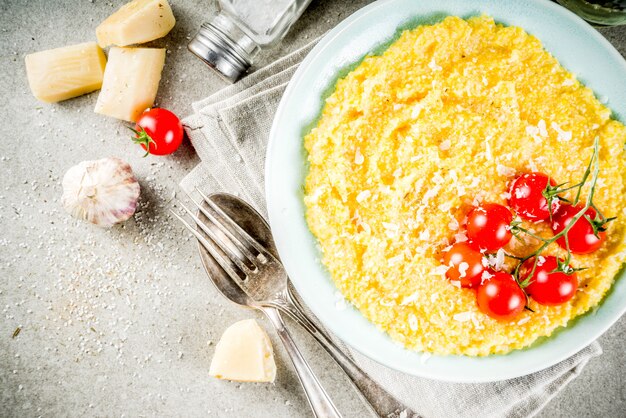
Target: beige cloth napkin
x=229 y=131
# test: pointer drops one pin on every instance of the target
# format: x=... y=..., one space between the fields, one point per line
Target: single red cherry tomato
x=527 y=197
x=546 y=286
x=500 y=297
x=581 y=238
x=488 y=226
x=158 y=131
x=465 y=264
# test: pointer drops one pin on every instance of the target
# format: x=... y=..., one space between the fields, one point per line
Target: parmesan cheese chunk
x=62 y=73
x=131 y=81
x=244 y=354
x=136 y=22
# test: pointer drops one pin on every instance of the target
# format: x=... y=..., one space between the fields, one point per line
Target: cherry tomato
x=465 y=264
x=546 y=286
x=488 y=226
x=527 y=197
x=500 y=297
x=158 y=131
x=581 y=237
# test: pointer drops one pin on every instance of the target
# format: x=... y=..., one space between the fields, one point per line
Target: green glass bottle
x=601 y=12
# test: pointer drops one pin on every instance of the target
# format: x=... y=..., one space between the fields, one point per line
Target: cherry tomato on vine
x=500 y=297
x=465 y=264
x=527 y=196
x=488 y=226
x=158 y=131
x=547 y=286
x=581 y=237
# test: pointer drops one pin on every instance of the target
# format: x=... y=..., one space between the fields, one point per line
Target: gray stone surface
x=118 y=322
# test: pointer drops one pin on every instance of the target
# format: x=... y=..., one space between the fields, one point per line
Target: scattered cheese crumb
x=533 y=131
x=365 y=194
x=358 y=157
x=433 y=65
x=391 y=229
x=562 y=135
x=439 y=270
x=505 y=171
x=488 y=154
x=460 y=237
x=463 y=269
x=390 y=226
x=395 y=260
x=543 y=131
x=410 y=299
x=445 y=206
x=316 y=194
x=463 y=316
x=499 y=259
x=430 y=193
x=417 y=109
x=495 y=261
x=340 y=301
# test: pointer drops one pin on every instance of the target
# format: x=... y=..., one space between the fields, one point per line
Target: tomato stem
x=142 y=138
x=598 y=224
x=516 y=229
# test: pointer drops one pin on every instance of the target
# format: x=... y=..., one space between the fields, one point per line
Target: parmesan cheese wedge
x=136 y=22
x=62 y=73
x=244 y=354
x=131 y=81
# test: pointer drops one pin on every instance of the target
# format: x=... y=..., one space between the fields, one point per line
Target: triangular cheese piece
x=244 y=353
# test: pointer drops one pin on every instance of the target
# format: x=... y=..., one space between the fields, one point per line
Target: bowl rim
x=287 y=230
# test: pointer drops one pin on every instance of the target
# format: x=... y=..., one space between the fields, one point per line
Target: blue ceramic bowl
x=577 y=46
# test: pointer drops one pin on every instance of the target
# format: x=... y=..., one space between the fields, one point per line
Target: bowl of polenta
x=455 y=172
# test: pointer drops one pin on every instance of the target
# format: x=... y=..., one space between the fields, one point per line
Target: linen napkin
x=229 y=131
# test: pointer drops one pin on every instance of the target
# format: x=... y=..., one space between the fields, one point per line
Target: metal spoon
x=319 y=400
x=277 y=294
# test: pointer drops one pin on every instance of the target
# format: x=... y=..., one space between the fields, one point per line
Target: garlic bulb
x=103 y=192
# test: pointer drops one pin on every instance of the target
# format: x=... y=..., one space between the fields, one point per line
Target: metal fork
x=241 y=257
x=271 y=285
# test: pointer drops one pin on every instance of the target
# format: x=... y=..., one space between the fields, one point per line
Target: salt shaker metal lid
x=224 y=47
x=241 y=28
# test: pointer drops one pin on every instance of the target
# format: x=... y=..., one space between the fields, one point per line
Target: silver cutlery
x=228 y=263
x=238 y=253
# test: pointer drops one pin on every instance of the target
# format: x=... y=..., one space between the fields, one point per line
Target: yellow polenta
x=410 y=139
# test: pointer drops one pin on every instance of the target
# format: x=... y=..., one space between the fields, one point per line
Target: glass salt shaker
x=240 y=30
